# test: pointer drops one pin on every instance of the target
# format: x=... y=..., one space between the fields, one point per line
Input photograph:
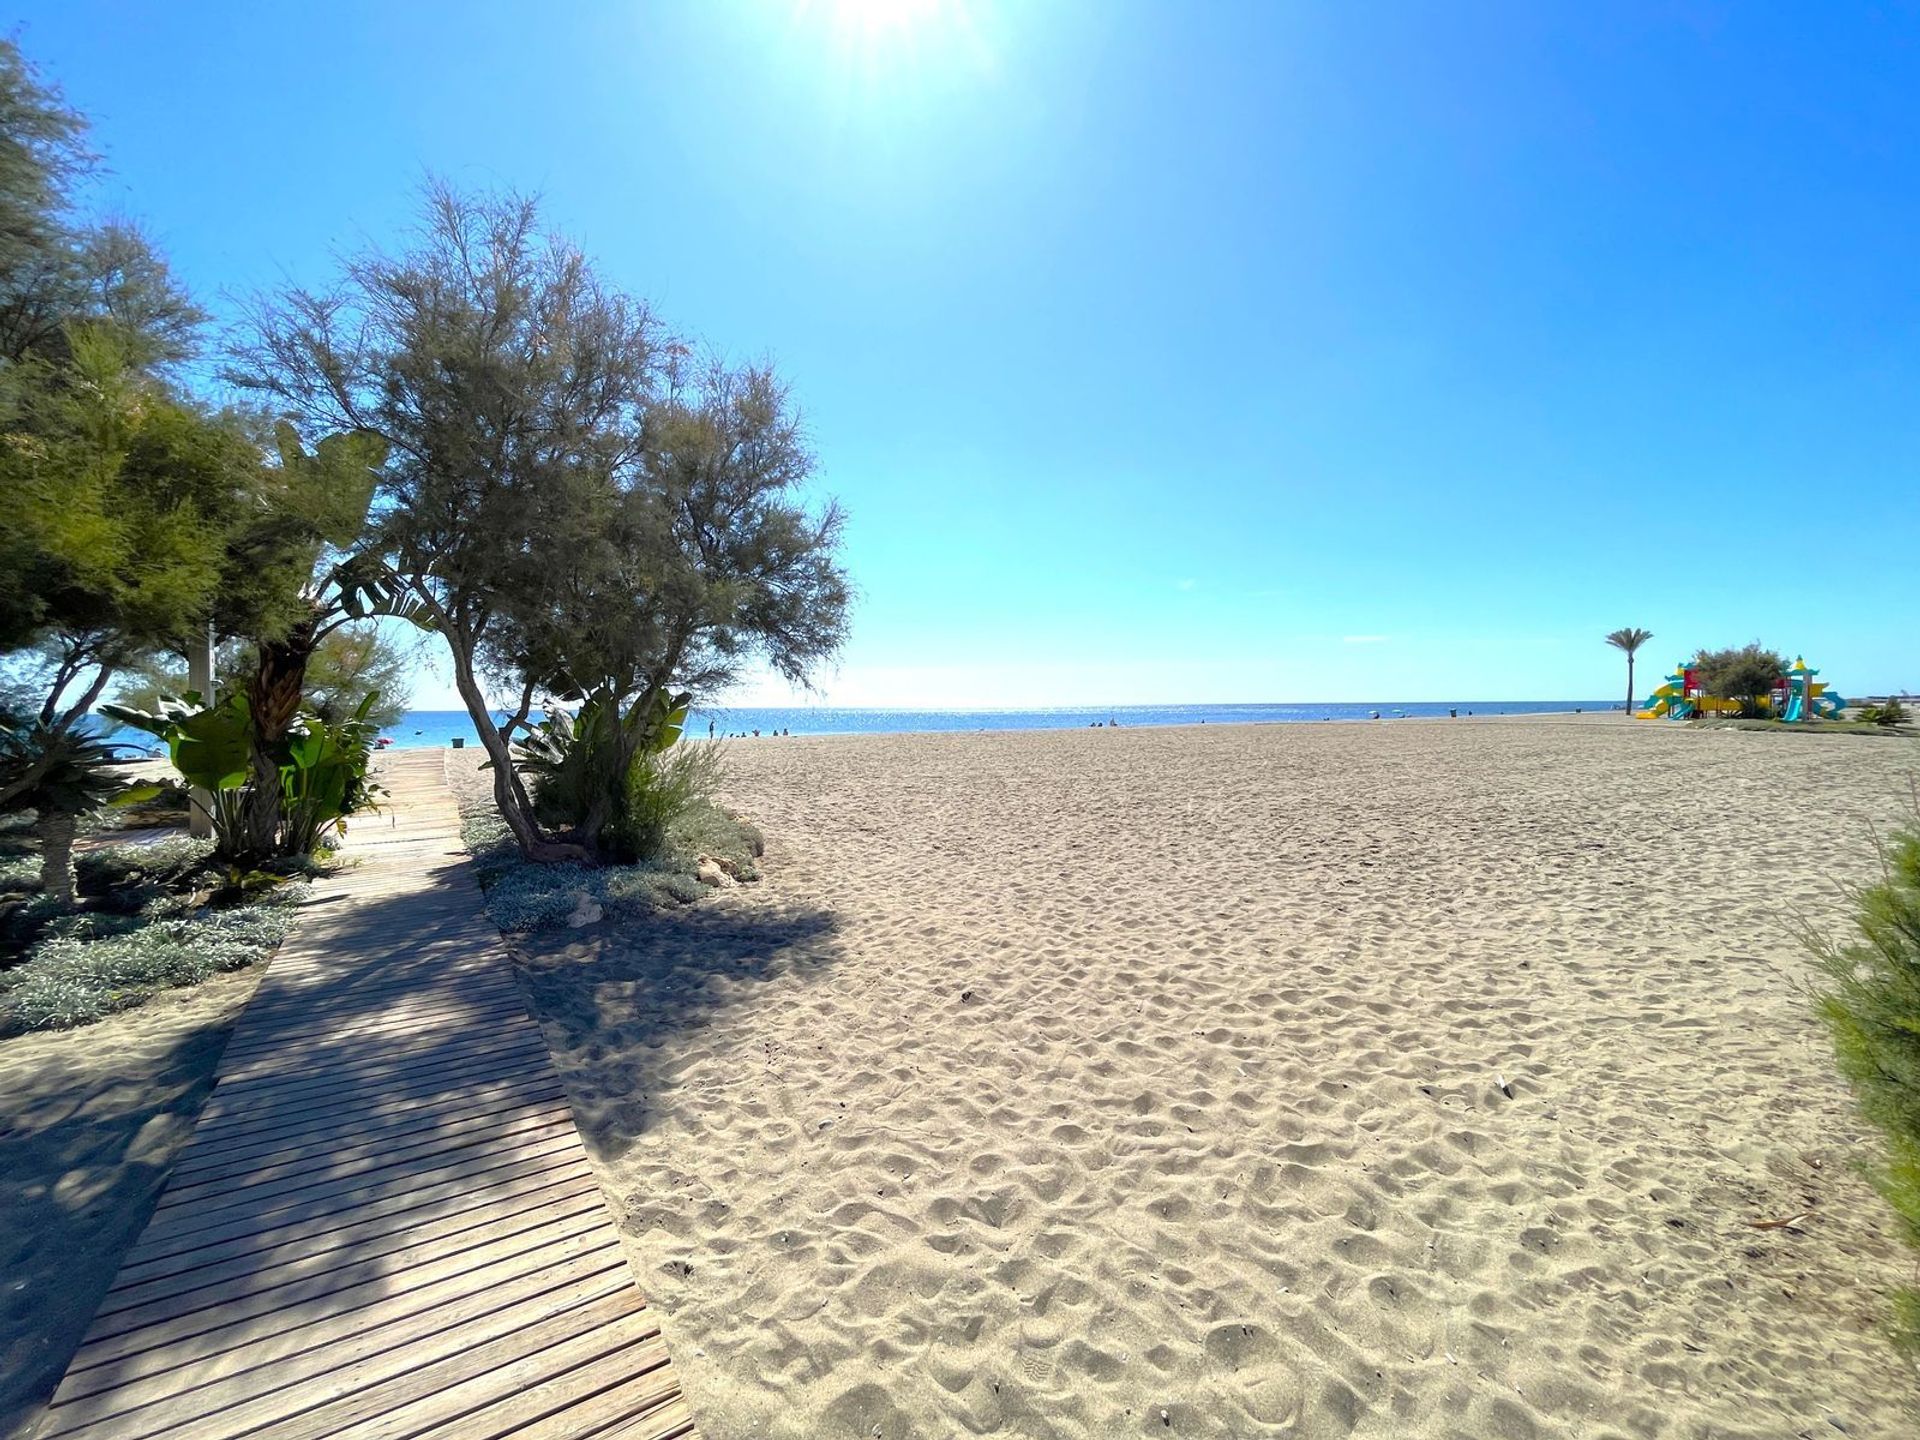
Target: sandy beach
x=1151 y=1082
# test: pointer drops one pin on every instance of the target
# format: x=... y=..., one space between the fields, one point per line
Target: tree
x=355 y=661
x=108 y=476
x=66 y=775
x=56 y=269
x=1871 y=1006
x=280 y=591
x=701 y=557
x=1629 y=640
x=562 y=523
x=111 y=540
x=347 y=664
x=1746 y=675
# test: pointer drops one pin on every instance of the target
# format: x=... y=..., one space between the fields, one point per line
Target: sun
x=880 y=39
x=880 y=20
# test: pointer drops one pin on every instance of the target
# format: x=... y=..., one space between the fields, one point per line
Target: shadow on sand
x=614 y=999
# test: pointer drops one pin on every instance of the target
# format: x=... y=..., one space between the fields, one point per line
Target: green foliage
x=113 y=871
x=63 y=771
x=78 y=978
x=57 y=269
x=662 y=787
x=345 y=665
x=118 y=502
x=59 y=775
x=277 y=573
x=207 y=744
x=322 y=767
x=1746 y=675
x=1871 y=1007
x=598 y=767
x=352 y=663
x=325 y=779
x=527 y=896
x=569 y=759
x=1891 y=713
x=567 y=500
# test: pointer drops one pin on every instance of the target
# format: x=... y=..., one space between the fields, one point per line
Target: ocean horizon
x=422 y=728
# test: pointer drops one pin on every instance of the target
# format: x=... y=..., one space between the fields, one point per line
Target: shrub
x=91 y=966
x=682 y=824
x=661 y=789
x=1872 y=1010
x=1891 y=713
x=168 y=863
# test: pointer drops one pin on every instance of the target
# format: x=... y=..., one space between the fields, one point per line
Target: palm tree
x=73 y=775
x=1629 y=640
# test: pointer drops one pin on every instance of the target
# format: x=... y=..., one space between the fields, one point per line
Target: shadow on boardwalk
x=385 y=1216
x=90 y=1122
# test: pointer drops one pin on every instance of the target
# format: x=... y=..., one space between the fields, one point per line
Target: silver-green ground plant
x=673 y=795
x=179 y=922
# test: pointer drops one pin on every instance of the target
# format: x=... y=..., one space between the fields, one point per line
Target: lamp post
x=200 y=677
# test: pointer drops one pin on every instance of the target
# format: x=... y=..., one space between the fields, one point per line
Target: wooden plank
x=642 y=1400
x=271 y=1148
x=219 y=1285
x=260 y=1167
x=179 y=1317
x=293 y=1047
x=670 y=1421
x=422 y=1090
x=326 y=1216
x=438 y=1061
x=256 y=1395
x=272 y=1248
x=557 y=1362
x=631 y=1380
x=193 y=1362
x=385 y=1224
x=370 y=1118
x=351 y=1194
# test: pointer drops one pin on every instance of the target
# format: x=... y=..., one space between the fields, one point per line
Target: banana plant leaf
x=209 y=746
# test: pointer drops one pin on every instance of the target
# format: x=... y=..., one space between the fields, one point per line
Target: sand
x=90 y=1120
x=1148 y=1082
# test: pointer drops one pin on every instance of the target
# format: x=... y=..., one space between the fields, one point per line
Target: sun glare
x=882 y=44
x=883 y=19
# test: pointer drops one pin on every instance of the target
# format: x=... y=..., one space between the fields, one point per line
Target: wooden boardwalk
x=385 y=1224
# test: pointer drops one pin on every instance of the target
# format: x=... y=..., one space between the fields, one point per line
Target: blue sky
x=1179 y=352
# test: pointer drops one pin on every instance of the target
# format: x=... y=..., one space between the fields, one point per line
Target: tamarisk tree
x=565 y=507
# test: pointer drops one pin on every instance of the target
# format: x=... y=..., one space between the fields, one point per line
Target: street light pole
x=200 y=677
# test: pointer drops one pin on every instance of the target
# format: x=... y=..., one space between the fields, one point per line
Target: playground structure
x=1796 y=696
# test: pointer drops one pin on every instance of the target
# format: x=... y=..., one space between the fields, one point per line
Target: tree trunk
x=56 y=829
x=1629 y=682
x=274 y=691
x=508 y=794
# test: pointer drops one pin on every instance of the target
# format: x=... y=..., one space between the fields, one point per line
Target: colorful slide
x=1672 y=700
x=1808 y=698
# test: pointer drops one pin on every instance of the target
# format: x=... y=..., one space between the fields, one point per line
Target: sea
x=443 y=727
